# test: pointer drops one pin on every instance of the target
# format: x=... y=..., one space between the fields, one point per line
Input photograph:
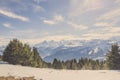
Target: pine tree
x=63 y=65
x=57 y=64
x=74 y=64
x=0 y=57
x=80 y=63
x=36 y=58
x=18 y=53
x=68 y=64
x=113 y=57
x=12 y=52
x=24 y=56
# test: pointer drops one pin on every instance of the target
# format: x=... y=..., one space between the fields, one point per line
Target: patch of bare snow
x=96 y=50
x=90 y=52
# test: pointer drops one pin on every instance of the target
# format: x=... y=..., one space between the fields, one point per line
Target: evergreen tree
x=24 y=55
x=57 y=64
x=68 y=64
x=80 y=63
x=74 y=64
x=18 y=53
x=63 y=65
x=12 y=53
x=36 y=58
x=0 y=57
x=86 y=63
x=113 y=57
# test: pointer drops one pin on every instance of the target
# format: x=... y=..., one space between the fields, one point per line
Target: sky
x=33 y=21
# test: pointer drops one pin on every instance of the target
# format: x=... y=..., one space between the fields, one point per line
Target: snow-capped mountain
x=70 y=49
x=47 y=48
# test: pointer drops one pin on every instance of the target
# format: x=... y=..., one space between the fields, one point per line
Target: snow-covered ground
x=51 y=74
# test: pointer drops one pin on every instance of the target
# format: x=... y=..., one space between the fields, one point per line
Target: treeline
x=19 y=53
x=83 y=64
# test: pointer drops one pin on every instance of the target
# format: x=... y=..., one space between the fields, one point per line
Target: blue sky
x=33 y=21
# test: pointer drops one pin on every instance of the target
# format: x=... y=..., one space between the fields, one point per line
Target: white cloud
x=110 y=15
x=90 y=36
x=115 y=30
x=7 y=25
x=102 y=33
x=77 y=26
x=50 y=22
x=34 y=41
x=103 y=24
x=78 y=7
x=92 y=5
x=13 y=15
x=56 y=19
x=112 y=30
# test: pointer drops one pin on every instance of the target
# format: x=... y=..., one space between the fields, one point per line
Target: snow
x=51 y=74
x=90 y=52
x=99 y=58
x=96 y=50
x=91 y=49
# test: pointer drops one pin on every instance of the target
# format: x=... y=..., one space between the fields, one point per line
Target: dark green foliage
x=37 y=60
x=73 y=64
x=0 y=57
x=13 y=51
x=18 y=53
x=113 y=57
x=68 y=64
x=81 y=64
x=90 y=64
x=57 y=64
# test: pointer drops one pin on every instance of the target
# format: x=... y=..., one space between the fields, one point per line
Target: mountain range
x=70 y=49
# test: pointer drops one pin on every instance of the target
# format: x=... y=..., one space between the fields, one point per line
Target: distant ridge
x=70 y=49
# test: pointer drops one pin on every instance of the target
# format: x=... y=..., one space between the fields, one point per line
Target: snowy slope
x=51 y=74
